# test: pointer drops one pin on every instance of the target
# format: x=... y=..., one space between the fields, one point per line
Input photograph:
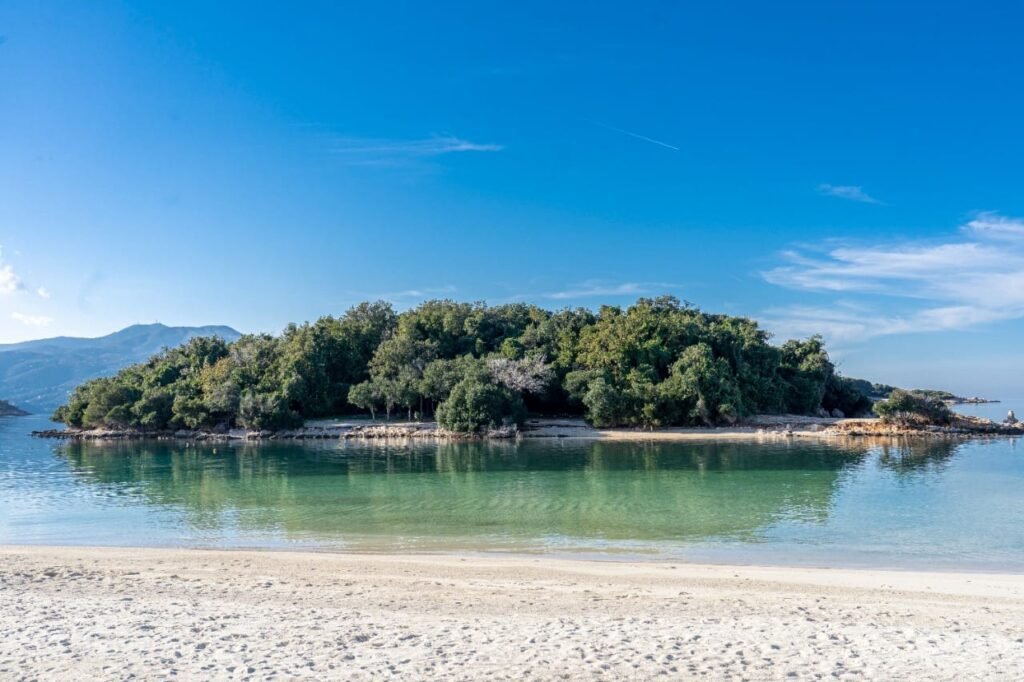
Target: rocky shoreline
x=426 y=430
x=773 y=426
x=960 y=426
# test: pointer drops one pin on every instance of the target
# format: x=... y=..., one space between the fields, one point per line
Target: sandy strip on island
x=761 y=428
x=82 y=613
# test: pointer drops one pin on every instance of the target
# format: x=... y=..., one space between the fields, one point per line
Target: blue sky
x=849 y=168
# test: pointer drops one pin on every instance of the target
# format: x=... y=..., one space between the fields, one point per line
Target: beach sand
x=81 y=613
x=758 y=429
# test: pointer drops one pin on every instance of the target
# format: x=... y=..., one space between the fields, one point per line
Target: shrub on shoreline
x=912 y=407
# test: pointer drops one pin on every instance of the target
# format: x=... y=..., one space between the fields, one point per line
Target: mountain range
x=39 y=375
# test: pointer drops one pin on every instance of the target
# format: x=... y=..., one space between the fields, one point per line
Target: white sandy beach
x=80 y=613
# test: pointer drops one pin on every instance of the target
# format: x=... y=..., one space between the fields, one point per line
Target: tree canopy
x=658 y=362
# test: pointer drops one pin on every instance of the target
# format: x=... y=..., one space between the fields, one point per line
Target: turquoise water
x=930 y=505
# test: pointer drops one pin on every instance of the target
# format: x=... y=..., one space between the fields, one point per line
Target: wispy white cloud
x=594 y=288
x=909 y=270
x=425 y=292
x=841 y=326
x=989 y=224
x=850 y=192
x=9 y=281
x=638 y=136
x=32 y=320
x=955 y=284
x=384 y=152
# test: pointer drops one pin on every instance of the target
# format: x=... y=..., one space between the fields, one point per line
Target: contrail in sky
x=639 y=136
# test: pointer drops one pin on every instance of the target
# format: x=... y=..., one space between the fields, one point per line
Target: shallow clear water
x=931 y=505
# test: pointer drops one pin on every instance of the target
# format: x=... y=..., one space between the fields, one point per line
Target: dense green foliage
x=658 y=362
x=871 y=390
x=846 y=396
x=913 y=407
x=474 y=405
x=936 y=394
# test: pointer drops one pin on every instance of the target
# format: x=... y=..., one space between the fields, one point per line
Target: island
x=468 y=370
x=475 y=367
x=952 y=398
x=974 y=400
x=9 y=410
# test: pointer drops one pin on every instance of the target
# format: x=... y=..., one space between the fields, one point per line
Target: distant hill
x=38 y=375
x=882 y=391
x=8 y=410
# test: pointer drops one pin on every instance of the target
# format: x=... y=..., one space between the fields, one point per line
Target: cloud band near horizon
x=954 y=284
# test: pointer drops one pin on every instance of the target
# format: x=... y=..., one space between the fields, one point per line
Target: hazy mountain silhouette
x=38 y=375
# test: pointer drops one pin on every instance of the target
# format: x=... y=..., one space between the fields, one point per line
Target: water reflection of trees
x=917 y=456
x=517 y=491
x=728 y=455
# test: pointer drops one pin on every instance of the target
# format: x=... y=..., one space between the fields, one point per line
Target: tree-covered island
x=658 y=362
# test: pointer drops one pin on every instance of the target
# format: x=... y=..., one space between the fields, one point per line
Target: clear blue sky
x=852 y=168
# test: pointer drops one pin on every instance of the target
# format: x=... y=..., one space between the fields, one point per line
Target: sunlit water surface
x=914 y=504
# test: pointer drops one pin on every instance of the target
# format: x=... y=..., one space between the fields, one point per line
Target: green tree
x=109 y=402
x=265 y=411
x=605 y=404
x=154 y=409
x=364 y=327
x=805 y=370
x=704 y=387
x=366 y=396
x=474 y=405
x=845 y=395
x=440 y=376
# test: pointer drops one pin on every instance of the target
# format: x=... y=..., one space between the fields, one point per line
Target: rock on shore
x=961 y=425
x=761 y=426
x=374 y=431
